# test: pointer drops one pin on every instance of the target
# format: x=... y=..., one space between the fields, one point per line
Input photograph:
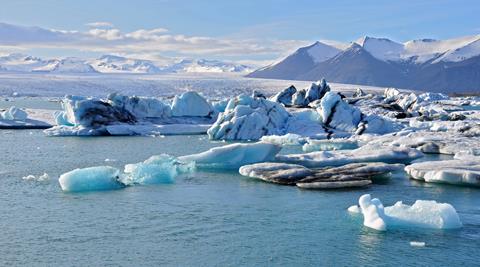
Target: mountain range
x=20 y=63
x=432 y=65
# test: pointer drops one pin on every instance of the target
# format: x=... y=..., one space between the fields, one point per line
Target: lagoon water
x=206 y=218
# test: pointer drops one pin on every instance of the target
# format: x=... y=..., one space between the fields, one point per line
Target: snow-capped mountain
x=20 y=63
x=298 y=63
x=117 y=64
x=203 y=65
x=435 y=65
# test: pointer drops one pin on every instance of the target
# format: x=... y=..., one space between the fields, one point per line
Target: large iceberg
x=422 y=214
x=249 y=118
x=234 y=156
x=366 y=153
x=191 y=104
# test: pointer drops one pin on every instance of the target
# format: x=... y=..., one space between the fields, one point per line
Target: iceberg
x=191 y=104
x=317 y=90
x=422 y=214
x=330 y=144
x=337 y=114
x=249 y=118
x=234 y=156
x=367 y=153
x=279 y=173
x=287 y=139
x=91 y=179
x=140 y=107
x=14 y=114
x=285 y=96
x=159 y=169
x=457 y=171
x=350 y=175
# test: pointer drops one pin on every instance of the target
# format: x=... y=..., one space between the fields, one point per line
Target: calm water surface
x=203 y=219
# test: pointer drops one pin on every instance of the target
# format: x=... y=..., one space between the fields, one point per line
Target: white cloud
x=100 y=24
x=143 y=42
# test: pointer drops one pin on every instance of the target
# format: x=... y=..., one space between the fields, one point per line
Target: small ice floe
x=287 y=139
x=42 y=178
x=330 y=144
x=354 y=209
x=110 y=160
x=350 y=175
x=234 y=156
x=417 y=244
x=422 y=214
x=160 y=169
x=465 y=171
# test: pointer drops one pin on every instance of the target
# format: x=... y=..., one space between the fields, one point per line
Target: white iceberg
x=287 y=139
x=329 y=144
x=337 y=114
x=249 y=118
x=191 y=104
x=233 y=156
x=91 y=179
x=422 y=214
x=366 y=153
x=285 y=96
x=464 y=171
x=14 y=114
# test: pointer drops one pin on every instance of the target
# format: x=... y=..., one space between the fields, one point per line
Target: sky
x=247 y=31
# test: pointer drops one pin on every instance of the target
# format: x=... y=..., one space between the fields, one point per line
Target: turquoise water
x=206 y=218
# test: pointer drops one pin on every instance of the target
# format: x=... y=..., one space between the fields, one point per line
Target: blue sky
x=271 y=28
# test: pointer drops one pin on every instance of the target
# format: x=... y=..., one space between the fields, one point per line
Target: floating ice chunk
x=317 y=90
x=330 y=144
x=375 y=124
x=350 y=175
x=422 y=214
x=157 y=169
x=373 y=212
x=354 y=209
x=219 y=106
x=234 y=156
x=417 y=244
x=61 y=118
x=285 y=96
x=288 y=139
x=337 y=114
x=249 y=118
x=42 y=178
x=462 y=172
x=92 y=112
x=281 y=173
x=433 y=97
x=367 y=153
x=91 y=179
x=299 y=99
x=141 y=107
x=14 y=114
x=191 y=104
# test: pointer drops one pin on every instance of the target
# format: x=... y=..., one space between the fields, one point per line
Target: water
x=206 y=218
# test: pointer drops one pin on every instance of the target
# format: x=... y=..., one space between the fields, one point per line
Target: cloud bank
x=103 y=37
